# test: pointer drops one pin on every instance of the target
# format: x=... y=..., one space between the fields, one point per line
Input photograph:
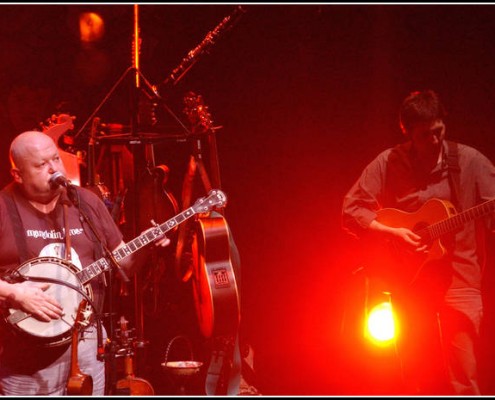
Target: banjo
x=70 y=284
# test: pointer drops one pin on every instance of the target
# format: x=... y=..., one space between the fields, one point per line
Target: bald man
x=34 y=215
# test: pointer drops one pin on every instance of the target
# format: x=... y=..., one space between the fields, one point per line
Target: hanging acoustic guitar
x=214 y=282
x=200 y=125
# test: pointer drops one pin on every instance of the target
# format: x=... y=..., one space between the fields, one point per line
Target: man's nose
x=52 y=168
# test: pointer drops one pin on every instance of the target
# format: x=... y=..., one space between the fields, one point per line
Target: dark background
x=306 y=96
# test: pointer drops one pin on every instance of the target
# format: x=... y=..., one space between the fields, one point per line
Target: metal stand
x=141 y=149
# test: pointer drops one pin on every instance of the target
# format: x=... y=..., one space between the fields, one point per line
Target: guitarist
x=440 y=307
x=35 y=213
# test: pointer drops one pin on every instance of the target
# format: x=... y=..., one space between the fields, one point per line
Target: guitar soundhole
x=221 y=277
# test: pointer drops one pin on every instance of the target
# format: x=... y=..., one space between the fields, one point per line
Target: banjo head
x=64 y=287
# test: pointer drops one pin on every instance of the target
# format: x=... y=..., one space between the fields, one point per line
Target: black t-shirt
x=43 y=237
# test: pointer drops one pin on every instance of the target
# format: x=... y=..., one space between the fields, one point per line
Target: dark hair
x=420 y=107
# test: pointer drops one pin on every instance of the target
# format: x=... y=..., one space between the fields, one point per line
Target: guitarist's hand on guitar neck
x=33 y=299
x=134 y=263
x=401 y=236
x=162 y=241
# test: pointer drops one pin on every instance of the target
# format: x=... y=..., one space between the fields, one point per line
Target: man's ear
x=16 y=174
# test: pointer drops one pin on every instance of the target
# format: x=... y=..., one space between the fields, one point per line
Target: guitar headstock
x=57 y=125
x=124 y=333
x=197 y=113
x=216 y=198
x=123 y=324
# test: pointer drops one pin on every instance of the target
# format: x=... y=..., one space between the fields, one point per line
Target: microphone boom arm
x=192 y=56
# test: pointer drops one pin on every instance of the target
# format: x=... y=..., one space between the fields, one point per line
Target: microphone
x=58 y=179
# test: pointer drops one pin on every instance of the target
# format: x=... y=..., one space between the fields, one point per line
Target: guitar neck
x=456 y=221
x=93 y=270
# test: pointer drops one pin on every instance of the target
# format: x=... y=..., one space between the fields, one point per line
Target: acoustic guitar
x=215 y=288
x=201 y=126
x=433 y=222
x=78 y=382
x=217 y=299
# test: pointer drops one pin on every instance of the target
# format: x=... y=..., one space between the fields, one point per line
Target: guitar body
x=134 y=386
x=404 y=267
x=80 y=384
x=215 y=288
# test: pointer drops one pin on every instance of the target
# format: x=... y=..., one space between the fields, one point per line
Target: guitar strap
x=224 y=373
x=452 y=159
x=8 y=197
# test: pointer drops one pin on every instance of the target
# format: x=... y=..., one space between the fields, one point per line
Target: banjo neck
x=203 y=205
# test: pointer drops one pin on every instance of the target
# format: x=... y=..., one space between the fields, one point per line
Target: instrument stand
x=200 y=119
x=224 y=371
x=196 y=164
x=107 y=253
x=141 y=155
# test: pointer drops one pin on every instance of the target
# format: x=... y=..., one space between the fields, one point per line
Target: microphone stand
x=74 y=198
x=102 y=354
x=139 y=156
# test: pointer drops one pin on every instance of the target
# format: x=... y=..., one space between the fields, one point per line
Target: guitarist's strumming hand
x=404 y=236
x=33 y=300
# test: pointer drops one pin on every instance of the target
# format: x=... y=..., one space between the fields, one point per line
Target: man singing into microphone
x=34 y=214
